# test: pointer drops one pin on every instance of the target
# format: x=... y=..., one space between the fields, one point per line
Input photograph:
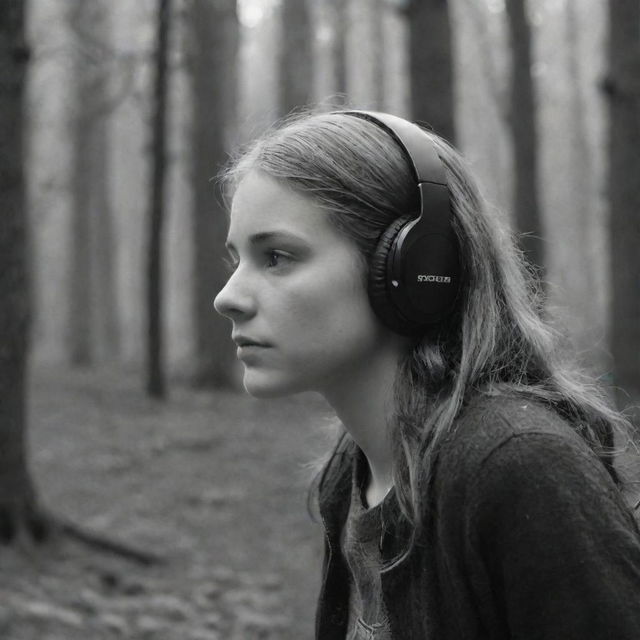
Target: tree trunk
x=80 y=264
x=431 y=66
x=295 y=59
x=18 y=504
x=92 y=309
x=622 y=88
x=583 y=263
x=104 y=288
x=156 y=385
x=378 y=68
x=522 y=124
x=365 y=52
x=213 y=46
x=338 y=17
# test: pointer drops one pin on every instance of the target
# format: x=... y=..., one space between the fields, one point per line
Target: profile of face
x=297 y=296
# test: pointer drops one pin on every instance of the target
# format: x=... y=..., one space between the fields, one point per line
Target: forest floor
x=214 y=483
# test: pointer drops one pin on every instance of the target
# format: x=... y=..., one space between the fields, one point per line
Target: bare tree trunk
x=80 y=263
x=522 y=123
x=213 y=42
x=431 y=66
x=584 y=262
x=104 y=289
x=18 y=503
x=622 y=88
x=365 y=52
x=295 y=56
x=338 y=16
x=92 y=309
x=20 y=513
x=156 y=385
x=377 y=32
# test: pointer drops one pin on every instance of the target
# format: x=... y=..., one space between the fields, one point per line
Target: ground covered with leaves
x=213 y=483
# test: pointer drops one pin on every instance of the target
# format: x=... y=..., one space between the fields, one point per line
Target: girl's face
x=297 y=297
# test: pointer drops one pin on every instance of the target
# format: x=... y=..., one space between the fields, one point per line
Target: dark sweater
x=526 y=537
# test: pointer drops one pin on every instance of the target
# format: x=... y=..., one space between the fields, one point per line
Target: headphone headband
x=426 y=163
x=414 y=272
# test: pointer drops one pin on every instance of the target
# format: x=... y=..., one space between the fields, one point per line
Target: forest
x=142 y=495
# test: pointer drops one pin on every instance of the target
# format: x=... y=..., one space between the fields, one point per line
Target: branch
x=103 y=543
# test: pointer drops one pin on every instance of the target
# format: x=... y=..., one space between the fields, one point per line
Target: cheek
x=337 y=317
x=323 y=331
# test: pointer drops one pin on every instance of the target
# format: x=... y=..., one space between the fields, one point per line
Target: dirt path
x=215 y=483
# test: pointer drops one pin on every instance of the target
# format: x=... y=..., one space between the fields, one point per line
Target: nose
x=235 y=300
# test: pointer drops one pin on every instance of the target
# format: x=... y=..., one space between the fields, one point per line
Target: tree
x=213 y=43
x=295 y=58
x=19 y=508
x=338 y=53
x=431 y=65
x=92 y=321
x=156 y=385
x=522 y=124
x=20 y=511
x=622 y=89
x=365 y=51
x=582 y=263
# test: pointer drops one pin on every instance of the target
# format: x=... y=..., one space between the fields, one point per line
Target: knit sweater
x=526 y=537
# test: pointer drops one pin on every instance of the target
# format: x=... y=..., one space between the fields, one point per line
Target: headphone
x=414 y=272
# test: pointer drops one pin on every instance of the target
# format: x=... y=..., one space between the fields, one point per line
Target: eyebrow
x=258 y=238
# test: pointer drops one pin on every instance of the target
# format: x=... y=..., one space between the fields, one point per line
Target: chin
x=269 y=386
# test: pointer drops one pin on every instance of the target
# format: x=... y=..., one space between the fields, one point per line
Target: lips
x=246 y=341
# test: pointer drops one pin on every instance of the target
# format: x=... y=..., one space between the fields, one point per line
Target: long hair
x=496 y=340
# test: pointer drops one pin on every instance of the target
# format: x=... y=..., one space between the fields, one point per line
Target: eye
x=276 y=258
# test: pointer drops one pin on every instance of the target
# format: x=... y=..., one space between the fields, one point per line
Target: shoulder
x=513 y=454
x=488 y=422
x=532 y=515
x=508 y=441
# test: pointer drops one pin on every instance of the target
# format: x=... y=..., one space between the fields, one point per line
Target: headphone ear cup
x=379 y=295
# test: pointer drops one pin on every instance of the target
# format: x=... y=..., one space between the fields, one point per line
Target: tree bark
x=80 y=330
x=365 y=53
x=156 y=384
x=213 y=46
x=583 y=264
x=295 y=57
x=18 y=504
x=92 y=309
x=522 y=124
x=379 y=48
x=622 y=88
x=338 y=19
x=431 y=66
x=104 y=287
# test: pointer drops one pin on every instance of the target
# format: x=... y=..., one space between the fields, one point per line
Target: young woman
x=471 y=494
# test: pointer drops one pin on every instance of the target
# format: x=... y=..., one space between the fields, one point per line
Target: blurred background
x=149 y=498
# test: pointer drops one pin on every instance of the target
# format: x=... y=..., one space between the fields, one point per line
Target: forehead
x=261 y=204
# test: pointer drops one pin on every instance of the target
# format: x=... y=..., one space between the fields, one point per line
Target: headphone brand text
x=430 y=278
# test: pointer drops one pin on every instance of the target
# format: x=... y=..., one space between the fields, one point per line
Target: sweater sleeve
x=560 y=549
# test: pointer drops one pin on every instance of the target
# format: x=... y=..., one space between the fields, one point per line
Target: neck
x=364 y=405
